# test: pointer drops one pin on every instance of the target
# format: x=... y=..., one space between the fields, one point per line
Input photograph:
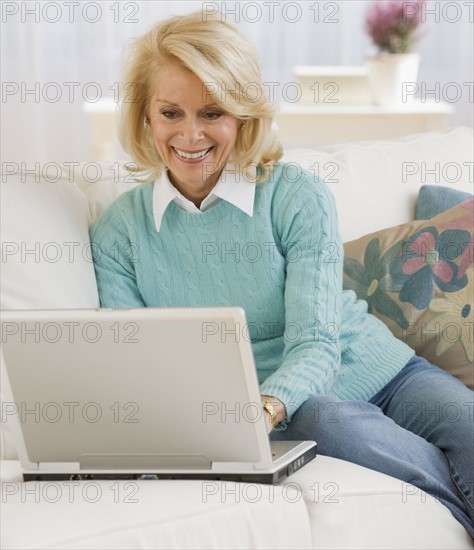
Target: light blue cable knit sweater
x=283 y=266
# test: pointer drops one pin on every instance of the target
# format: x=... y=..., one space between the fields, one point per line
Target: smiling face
x=192 y=134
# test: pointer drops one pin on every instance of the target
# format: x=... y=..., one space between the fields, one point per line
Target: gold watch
x=267 y=406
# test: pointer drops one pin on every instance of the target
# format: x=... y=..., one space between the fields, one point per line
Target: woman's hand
x=278 y=407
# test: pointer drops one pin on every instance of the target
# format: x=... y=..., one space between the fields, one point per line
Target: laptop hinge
x=233 y=467
x=60 y=466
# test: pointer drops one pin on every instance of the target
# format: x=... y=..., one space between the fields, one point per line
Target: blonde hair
x=225 y=61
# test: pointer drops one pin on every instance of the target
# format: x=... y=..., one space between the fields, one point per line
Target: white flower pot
x=389 y=74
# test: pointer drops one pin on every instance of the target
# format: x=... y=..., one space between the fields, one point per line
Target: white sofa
x=329 y=503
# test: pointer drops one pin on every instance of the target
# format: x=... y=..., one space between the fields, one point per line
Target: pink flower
x=392 y=26
x=426 y=242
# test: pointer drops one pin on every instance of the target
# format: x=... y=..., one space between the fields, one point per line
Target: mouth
x=194 y=156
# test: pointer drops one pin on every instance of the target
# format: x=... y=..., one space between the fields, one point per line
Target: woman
x=223 y=223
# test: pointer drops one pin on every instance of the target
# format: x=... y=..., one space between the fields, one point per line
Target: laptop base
x=247 y=477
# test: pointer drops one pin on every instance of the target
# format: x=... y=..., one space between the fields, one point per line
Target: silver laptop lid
x=132 y=389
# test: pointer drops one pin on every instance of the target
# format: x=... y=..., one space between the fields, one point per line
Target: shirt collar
x=232 y=186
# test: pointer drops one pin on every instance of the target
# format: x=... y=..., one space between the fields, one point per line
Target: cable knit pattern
x=283 y=266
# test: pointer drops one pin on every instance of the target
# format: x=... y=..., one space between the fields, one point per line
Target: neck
x=196 y=196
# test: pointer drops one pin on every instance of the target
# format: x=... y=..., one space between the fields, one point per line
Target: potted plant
x=394 y=29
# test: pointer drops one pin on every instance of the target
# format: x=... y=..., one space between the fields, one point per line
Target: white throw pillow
x=46 y=253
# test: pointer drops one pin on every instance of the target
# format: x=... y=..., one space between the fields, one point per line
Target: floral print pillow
x=419 y=279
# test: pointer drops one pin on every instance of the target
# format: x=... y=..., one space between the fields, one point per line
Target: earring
x=147 y=120
x=242 y=126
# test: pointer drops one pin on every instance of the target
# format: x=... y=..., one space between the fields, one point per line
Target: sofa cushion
x=418 y=278
x=350 y=506
x=375 y=183
x=172 y=514
x=327 y=504
x=434 y=199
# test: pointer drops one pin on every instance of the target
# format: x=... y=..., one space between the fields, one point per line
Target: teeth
x=191 y=155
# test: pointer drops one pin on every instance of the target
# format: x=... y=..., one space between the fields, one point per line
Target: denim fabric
x=419 y=428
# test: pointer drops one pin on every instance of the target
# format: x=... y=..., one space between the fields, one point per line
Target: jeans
x=419 y=428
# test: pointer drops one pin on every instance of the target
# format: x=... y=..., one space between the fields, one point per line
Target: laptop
x=148 y=393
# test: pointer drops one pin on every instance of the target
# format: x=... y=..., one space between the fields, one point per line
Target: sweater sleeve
x=115 y=257
x=305 y=222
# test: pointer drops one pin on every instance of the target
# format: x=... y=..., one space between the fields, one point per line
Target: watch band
x=267 y=406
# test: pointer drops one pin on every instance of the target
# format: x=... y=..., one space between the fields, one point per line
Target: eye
x=212 y=115
x=169 y=114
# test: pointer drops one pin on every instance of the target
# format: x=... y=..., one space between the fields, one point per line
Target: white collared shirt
x=231 y=187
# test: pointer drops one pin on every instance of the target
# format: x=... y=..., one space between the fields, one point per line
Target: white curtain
x=55 y=56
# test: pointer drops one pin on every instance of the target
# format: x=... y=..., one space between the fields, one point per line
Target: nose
x=191 y=130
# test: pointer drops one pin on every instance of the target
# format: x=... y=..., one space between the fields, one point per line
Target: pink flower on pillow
x=430 y=257
x=426 y=254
